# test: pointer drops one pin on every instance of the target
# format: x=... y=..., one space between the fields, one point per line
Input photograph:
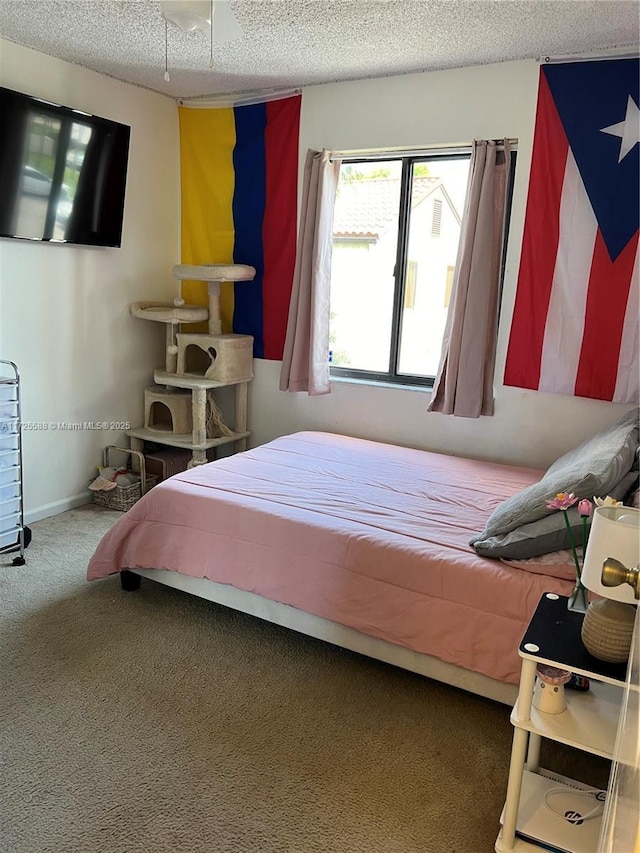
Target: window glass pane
x=79 y=137
x=46 y=192
x=438 y=191
x=365 y=243
x=36 y=187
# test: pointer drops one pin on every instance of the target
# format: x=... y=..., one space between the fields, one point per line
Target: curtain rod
x=390 y=153
x=611 y=53
x=212 y=101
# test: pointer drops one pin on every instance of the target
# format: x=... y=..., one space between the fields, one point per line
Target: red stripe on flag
x=609 y=284
x=539 y=244
x=280 y=220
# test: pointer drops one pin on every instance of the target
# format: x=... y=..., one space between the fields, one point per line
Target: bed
x=356 y=542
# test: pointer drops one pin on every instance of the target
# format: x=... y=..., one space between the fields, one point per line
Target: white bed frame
x=332 y=632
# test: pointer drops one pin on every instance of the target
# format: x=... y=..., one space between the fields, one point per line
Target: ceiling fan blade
x=189 y=15
x=225 y=25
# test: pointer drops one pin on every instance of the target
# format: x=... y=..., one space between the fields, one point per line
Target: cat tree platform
x=214 y=274
x=170 y=312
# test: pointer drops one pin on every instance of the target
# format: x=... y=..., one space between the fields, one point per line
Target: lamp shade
x=615 y=535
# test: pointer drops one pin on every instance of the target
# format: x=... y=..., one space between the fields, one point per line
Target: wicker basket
x=123 y=498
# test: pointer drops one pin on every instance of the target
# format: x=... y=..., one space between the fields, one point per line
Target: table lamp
x=611 y=570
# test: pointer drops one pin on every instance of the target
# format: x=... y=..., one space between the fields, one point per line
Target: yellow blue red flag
x=239 y=174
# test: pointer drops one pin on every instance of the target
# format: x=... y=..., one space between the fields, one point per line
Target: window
x=396 y=232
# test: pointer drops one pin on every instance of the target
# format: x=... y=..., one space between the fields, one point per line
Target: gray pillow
x=593 y=468
x=547 y=534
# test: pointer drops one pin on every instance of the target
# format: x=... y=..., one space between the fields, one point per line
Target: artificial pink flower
x=584 y=508
x=563 y=500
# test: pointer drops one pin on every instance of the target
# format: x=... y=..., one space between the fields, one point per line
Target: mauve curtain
x=305 y=362
x=464 y=384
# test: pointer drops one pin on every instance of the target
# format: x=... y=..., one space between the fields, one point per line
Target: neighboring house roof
x=365 y=209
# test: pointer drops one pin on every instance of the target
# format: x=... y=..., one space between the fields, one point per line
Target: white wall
x=64 y=310
x=447 y=107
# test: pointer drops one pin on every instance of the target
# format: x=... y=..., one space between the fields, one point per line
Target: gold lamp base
x=607 y=630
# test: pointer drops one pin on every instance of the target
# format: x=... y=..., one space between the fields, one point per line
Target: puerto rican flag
x=575 y=326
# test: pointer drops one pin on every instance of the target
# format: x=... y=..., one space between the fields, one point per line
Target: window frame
x=409 y=160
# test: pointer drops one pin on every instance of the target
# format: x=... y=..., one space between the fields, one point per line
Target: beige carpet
x=153 y=721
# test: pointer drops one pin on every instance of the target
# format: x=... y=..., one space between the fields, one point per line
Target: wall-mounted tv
x=62 y=173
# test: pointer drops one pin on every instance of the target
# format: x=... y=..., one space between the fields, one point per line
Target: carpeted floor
x=152 y=721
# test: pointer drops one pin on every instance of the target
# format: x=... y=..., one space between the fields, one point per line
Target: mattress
x=368 y=535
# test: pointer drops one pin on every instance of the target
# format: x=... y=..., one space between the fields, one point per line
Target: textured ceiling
x=291 y=43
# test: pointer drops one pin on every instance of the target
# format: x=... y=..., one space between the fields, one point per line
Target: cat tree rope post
x=199 y=412
x=215 y=321
x=241 y=414
x=171 y=357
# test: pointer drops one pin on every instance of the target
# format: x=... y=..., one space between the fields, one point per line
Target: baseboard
x=56 y=507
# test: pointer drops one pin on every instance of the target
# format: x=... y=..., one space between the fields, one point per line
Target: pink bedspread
x=368 y=535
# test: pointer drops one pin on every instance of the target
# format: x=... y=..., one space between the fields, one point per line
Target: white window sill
x=379 y=383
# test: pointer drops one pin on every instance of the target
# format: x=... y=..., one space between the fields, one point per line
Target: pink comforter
x=368 y=535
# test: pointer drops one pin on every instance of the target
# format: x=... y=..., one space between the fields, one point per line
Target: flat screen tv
x=62 y=173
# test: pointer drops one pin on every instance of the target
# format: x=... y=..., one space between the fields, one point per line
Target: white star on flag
x=628 y=130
